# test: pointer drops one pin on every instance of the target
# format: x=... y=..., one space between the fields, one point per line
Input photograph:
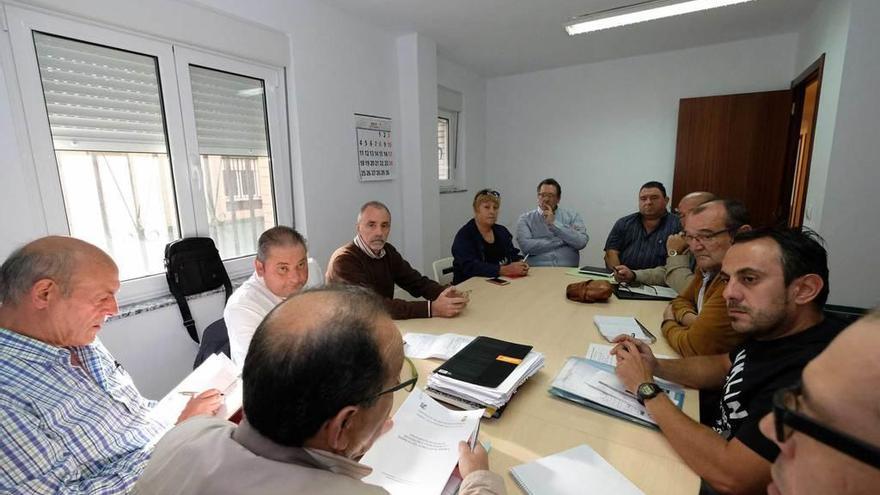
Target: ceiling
x=502 y=37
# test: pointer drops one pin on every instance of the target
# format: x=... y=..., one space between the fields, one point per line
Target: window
x=449 y=174
x=147 y=142
x=447 y=130
x=108 y=132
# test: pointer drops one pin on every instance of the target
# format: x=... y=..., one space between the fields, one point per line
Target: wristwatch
x=648 y=390
x=672 y=252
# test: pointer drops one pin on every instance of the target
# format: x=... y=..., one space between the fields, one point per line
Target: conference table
x=533 y=310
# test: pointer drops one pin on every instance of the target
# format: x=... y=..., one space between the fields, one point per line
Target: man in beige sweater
x=319 y=383
x=678 y=271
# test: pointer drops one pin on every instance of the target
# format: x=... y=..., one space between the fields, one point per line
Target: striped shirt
x=639 y=249
x=66 y=428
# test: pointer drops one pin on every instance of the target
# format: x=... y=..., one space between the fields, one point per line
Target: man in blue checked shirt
x=71 y=420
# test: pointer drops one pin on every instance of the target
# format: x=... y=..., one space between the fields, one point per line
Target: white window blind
x=230 y=113
x=100 y=99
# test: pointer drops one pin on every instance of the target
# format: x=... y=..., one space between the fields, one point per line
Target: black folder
x=485 y=361
x=596 y=270
x=623 y=292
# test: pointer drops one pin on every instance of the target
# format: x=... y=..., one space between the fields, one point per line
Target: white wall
x=456 y=206
x=604 y=129
x=849 y=217
x=825 y=32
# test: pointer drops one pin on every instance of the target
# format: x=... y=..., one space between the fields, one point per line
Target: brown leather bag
x=589 y=291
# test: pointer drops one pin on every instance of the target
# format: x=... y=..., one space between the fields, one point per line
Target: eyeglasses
x=787 y=420
x=407 y=385
x=704 y=237
x=490 y=192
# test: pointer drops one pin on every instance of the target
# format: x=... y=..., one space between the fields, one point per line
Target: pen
x=525 y=258
x=473 y=444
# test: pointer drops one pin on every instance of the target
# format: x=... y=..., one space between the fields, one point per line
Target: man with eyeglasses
x=318 y=379
x=775 y=285
x=696 y=322
x=371 y=261
x=549 y=234
x=638 y=240
x=678 y=272
x=827 y=427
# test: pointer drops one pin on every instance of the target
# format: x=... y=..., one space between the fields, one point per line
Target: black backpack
x=193 y=265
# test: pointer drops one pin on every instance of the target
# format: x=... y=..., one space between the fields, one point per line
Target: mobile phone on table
x=497 y=281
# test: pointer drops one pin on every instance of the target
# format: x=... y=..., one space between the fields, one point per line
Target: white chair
x=443 y=270
x=316 y=275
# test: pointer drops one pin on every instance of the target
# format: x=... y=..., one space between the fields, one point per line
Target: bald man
x=836 y=395
x=678 y=272
x=319 y=382
x=71 y=420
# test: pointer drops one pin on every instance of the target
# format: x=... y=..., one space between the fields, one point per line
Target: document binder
x=485 y=362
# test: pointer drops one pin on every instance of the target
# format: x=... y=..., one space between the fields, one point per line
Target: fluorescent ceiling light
x=641 y=12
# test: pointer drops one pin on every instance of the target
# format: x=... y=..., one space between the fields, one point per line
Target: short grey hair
x=26 y=266
x=373 y=204
x=281 y=235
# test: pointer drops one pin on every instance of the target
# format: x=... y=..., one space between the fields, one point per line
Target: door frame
x=798 y=87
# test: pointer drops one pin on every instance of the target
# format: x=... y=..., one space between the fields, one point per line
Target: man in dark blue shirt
x=639 y=240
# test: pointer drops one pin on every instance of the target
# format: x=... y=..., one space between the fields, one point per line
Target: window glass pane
x=234 y=148
x=108 y=131
x=443 y=148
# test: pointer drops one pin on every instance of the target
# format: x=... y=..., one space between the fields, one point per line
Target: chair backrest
x=316 y=275
x=214 y=339
x=443 y=270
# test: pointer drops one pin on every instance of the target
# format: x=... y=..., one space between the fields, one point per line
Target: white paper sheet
x=602 y=354
x=612 y=326
x=424 y=345
x=419 y=453
x=218 y=371
x=572 y=472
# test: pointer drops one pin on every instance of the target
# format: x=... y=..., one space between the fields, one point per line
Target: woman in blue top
x=482 y=247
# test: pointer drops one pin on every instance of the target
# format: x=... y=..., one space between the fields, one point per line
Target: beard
x=757 y=321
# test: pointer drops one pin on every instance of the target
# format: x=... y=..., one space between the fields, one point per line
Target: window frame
x=452 y=117
x=175 y=91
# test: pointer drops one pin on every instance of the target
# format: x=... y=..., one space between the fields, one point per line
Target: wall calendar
x=375 y=155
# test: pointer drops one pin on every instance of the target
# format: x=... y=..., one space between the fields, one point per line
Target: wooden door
x=735 y=147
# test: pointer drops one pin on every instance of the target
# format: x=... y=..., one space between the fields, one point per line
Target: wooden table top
x=533 y=310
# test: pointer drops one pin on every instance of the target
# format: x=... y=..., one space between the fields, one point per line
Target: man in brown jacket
x=696 y=322
x=371 y=261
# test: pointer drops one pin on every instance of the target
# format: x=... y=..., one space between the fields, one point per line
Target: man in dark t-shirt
x=776 y=283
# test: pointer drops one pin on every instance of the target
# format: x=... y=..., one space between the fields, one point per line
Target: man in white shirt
x=281 y=268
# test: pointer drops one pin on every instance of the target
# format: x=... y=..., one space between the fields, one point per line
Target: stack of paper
x=570 y=473
x=425 y=345
x=469 y=395
x=420 y=451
